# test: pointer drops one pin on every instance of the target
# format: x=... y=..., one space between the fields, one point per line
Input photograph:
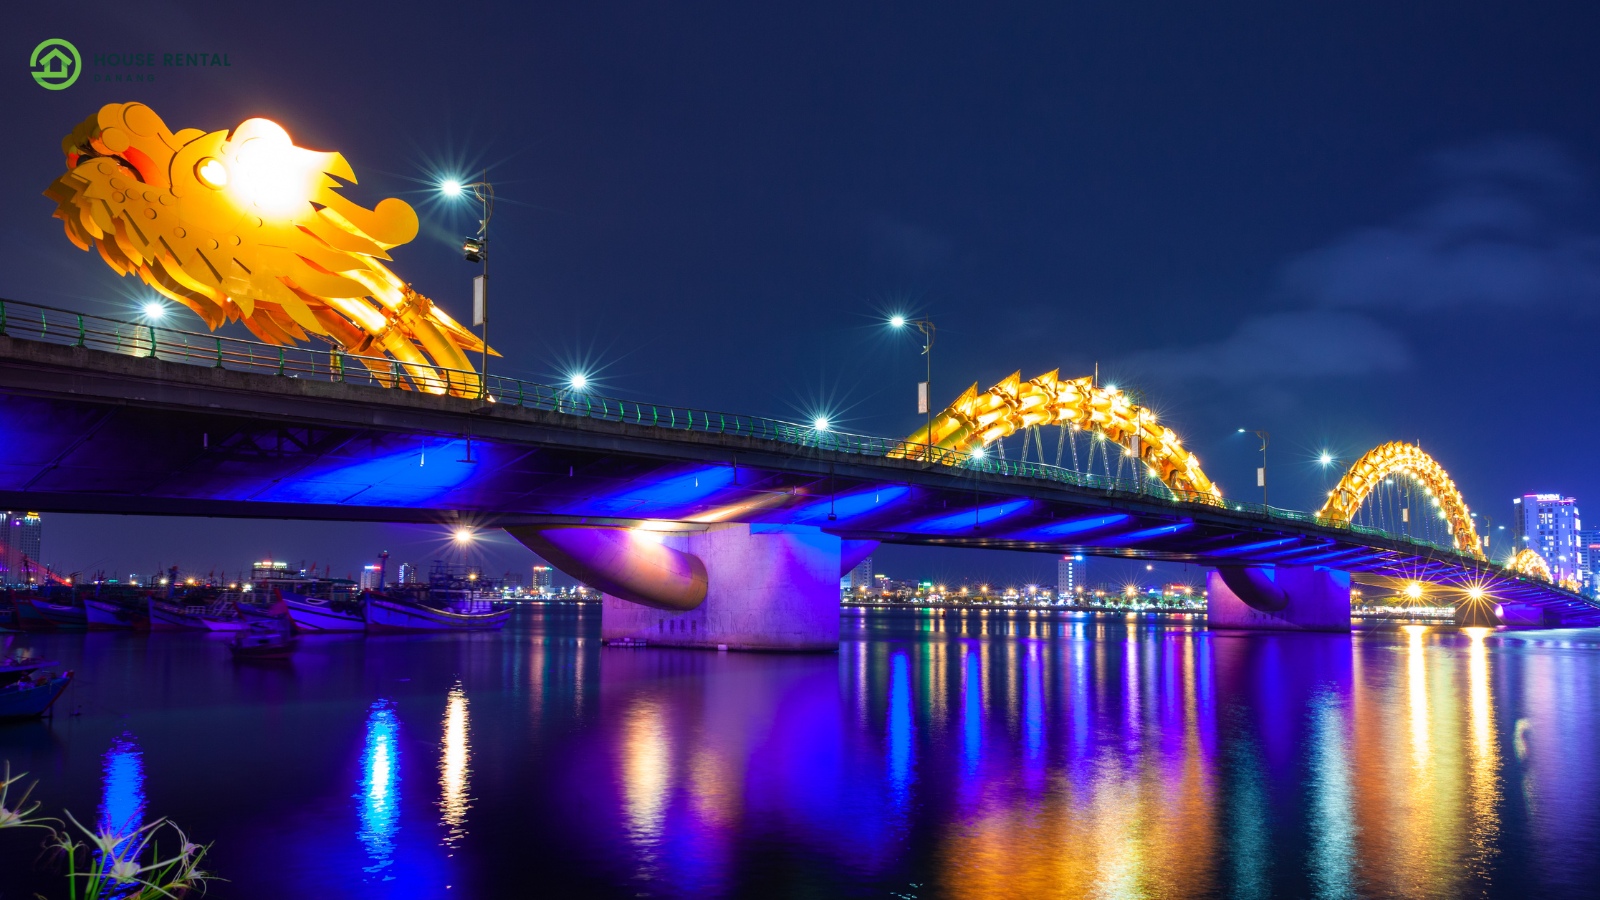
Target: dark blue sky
x=1345 y=223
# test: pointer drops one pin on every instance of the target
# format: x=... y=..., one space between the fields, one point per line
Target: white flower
x=124 y=871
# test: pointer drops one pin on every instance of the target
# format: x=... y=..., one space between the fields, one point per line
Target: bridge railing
x=29 y=321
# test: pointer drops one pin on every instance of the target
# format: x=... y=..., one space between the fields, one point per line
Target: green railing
x=59 y=326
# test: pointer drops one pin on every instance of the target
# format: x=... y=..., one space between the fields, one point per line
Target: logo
x=55 y=64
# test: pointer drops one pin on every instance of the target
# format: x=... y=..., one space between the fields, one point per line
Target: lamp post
x=1261 y=473
x=924 y=326
x=476 y=250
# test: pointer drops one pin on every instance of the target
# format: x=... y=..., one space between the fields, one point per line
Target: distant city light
x=579 y=381
x=1414 y=590
x=820 y=423
x=155 y=309
x=450 y=188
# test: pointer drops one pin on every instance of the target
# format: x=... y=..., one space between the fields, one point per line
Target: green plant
x=111 y=862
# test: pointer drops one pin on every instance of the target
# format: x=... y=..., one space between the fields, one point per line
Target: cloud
x=1298 y=344
x=1501 y=230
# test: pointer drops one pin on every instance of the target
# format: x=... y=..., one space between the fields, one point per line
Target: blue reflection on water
x=122 y=790
x=899 y=725
x=972 y=710
x=379 y=800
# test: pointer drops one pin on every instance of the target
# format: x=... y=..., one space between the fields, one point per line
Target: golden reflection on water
x=454 y=768
x=644 y=771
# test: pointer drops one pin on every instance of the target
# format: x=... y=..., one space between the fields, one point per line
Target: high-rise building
x=408 y=573
x=1549 y=524
x=1589 y=561
x=861 y=577
x=20 y=541
x=1069 y=575
x=370 y=576
x=541 y=579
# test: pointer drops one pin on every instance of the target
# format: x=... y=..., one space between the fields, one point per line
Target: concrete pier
x=1278 y=598
x=764 y=587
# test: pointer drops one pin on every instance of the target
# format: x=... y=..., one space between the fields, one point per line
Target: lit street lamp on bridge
x=924 y=390
x=1261 y=473
x=476 y=250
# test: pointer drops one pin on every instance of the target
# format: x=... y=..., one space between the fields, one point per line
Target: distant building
x=20 y=543
x=1589 y=561
x=370 y=575
x=861 y=577
x=541 y=579
x=408 y=573
x=1549 y=523
x=1069 y=576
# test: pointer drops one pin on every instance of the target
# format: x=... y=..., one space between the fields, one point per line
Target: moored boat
x=106 y=616
x=16 y=669
x=387 y=615
x=264 y=639
x=29 y=618
x=31 y=697
x=63 y=616
x=170 y=618
x=316 y=616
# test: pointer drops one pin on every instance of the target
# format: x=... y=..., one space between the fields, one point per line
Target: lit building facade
x=541 y=580
x=1589 y=561
x=1070 y=575
x=22 y=538
x=861 y=577
x=1549 y=524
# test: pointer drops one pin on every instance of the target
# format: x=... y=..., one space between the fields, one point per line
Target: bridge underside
x=95 y=432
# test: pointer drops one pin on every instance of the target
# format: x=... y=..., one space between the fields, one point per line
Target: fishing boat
x=221 y=619
x=165 y=617
x=104 y=615
x=264 y=639
x=319 y=617
x=64 y=617
x=16 y=668
x=31 y=697
x=29 y=618
x=388 y=615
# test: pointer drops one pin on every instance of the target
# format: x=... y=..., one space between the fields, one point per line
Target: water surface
x=937 y=755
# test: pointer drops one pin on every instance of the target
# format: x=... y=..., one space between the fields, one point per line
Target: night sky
x=1343 y=223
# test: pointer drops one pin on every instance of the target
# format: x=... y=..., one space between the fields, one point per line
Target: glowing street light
x=155 y=309
x=1414 y=591
x=476 y=250
x=464 y=536
x=820 y=423
x=1326 y=459
x=578 y=381
x=924 y=390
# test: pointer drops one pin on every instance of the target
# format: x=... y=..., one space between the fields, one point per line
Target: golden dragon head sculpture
x=243 y=225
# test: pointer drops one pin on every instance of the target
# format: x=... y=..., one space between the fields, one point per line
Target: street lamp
x=924 y=326
x=476 y=250
x=155 y=310
x=1261 y=473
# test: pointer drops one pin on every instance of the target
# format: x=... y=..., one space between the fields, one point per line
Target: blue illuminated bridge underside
x=98 y=432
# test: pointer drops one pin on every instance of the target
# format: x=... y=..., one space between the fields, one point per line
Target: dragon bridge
x=976 y=420
x=1528 y=562
x=1399 y=458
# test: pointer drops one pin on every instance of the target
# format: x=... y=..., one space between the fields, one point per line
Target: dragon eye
x=212 y=172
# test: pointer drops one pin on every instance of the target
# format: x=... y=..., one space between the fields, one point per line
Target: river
x=938 y=754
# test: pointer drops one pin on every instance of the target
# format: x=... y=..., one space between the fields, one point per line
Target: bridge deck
x=94 y=431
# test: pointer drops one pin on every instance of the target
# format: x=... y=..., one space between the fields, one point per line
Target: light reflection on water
x=122 y=800
x=454 y=769
x=378 y=803
x=969 y=755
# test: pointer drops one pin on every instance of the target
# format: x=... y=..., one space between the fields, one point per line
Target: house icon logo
x=55 y=64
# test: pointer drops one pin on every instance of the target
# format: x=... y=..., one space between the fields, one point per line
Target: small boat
x=106 y=616
x=264 y=639
x=31 y=697
x=29 y=618
x=65 y=618
x=318 y=616
x=215 y=620
x=170 y=618
x=387 y=615
x=16 y=669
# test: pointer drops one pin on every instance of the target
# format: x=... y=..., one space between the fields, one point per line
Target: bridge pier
x=733 y=587
x=1278 y=598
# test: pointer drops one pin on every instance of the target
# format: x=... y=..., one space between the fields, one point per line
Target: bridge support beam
x=1278 y=598
x=734 y=587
